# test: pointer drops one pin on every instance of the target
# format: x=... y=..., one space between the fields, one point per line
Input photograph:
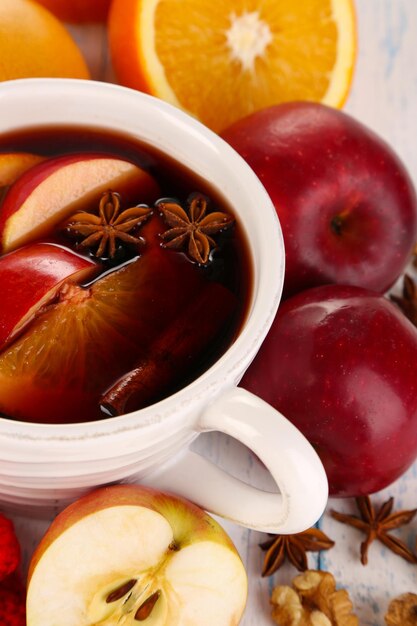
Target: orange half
x=221 y=61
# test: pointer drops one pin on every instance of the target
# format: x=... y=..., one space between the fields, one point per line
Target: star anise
x=294 y=548
x=376 y=525
x=408 y=301
x=192 y=228
x=109 y=226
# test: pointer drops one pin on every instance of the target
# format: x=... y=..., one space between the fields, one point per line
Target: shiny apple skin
x=345 y=201
x=31 y=274
x=340 y=363
x=45 y=201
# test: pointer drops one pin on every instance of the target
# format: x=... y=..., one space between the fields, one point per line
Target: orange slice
x=14 y=164
x=223 y=60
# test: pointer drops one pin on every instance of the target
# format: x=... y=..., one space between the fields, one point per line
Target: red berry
x=9 y=549
x=12 y=608
x=14 y=584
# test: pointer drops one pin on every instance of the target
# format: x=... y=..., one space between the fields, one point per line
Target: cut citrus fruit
x=222 y=61
x=29 y=280
x=14 y=164
x=90 y=336
x=33 y=43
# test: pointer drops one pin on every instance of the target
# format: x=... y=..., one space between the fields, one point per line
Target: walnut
x=402 y=611
x=312 y=601
x=287 y=608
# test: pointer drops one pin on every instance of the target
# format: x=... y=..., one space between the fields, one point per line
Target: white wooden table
x=384 y=96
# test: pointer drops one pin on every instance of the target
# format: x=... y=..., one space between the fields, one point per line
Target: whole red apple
x=339 y=363
x=346 y=204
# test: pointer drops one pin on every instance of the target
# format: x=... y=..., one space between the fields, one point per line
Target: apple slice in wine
x=29 y=280
x=52 y=191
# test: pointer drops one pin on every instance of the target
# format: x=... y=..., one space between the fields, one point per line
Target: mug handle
x=292 y=461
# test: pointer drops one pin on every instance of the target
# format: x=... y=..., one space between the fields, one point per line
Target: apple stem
x=336 y=225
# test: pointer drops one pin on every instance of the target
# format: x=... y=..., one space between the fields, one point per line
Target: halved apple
x=129 y=555
x=14 y=164
x=52 y=191
x=30 y=278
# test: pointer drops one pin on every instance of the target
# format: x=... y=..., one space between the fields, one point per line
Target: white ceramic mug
x=41 y=464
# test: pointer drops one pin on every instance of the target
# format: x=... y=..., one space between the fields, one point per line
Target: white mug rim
x=228 y=369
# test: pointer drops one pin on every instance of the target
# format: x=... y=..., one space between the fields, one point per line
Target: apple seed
x=121 y=591
x=147 y=607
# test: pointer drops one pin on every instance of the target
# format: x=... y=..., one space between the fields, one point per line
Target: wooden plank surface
x=384 y=96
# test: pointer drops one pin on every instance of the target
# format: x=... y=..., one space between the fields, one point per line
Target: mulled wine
x=124 y=275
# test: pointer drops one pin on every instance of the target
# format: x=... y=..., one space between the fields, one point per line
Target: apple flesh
x=52 y=191
x=346 y=204
x=30 y=278
x=130 y=555
x=14 y=164
x=339 y=362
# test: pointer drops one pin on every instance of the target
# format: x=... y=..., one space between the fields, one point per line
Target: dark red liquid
x=163 y=345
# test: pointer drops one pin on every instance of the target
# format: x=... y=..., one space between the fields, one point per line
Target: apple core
x=148 y=557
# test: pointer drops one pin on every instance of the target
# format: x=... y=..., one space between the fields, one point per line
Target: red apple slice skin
x=14 y=164
x=52 y=191
x=30 y=278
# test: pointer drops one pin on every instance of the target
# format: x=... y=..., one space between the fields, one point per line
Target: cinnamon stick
x=175 y=351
